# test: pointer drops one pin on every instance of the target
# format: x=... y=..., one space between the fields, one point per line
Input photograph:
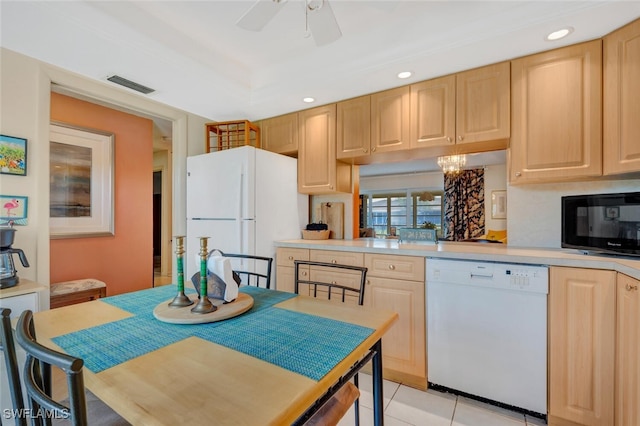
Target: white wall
x=534 y=211
x=25 y=97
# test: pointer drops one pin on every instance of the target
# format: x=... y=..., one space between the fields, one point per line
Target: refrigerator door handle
x=239 y=215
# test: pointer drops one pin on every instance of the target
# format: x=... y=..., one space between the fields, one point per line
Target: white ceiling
x=199 y=61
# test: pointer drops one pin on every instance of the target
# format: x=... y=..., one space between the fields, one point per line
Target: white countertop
x=476 y=251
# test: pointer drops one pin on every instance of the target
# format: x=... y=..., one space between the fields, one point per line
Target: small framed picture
x=13 y=208
x=13 y=155
x=611 y=213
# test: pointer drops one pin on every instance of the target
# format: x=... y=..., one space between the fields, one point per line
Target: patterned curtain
x=464 y=205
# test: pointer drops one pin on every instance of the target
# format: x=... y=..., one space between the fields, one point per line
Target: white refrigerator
x=244 y=199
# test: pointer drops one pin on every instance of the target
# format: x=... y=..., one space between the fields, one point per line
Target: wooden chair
x=8 y=348
x=334 y=281
x=252 y=270
x=81 y=408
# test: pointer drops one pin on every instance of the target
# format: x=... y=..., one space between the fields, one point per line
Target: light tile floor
x=408 y=406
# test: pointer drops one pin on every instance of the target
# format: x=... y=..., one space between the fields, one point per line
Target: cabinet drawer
x=334 y=256
x=23 y=302
x=394 y=266
x=285 y=256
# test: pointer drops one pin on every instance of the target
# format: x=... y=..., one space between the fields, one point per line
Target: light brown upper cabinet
x=319 y=172
x=468 y=107
x=433 y=112
x=622 y=100
x=557 y=115
x=390 y=120
x=354 y=127
x=280 y=134
x=482 y=104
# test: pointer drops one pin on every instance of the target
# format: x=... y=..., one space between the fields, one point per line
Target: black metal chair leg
x=356 y=404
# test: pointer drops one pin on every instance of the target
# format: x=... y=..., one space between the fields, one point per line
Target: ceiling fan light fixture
x=452 y=163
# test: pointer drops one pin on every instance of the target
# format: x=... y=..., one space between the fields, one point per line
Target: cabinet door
x=621 y=106
x=483 y=103
x=354 y=127
x=628 y=352
x=403 y=346
x=318 y=170
x=581 y=346
x=280 y=134
x=433 y=112
x=390 y=120
x=557 y=114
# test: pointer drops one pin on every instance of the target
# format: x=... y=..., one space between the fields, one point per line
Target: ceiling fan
x=320 y=20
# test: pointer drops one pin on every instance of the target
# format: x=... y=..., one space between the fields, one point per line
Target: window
x=382 y=212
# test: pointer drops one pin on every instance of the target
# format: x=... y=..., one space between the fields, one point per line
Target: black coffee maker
x=8 y=276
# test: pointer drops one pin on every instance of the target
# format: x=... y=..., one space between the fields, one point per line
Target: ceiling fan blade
x=323 y=25
x=260 y=14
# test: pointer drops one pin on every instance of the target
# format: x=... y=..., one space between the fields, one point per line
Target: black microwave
x=602 y=223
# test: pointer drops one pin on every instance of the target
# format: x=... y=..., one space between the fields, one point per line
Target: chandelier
x=452 y=163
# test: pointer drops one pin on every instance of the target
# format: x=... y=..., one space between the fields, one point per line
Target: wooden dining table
x=268 y=365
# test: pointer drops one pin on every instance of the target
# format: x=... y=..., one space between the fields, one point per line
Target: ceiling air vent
x=130 y=84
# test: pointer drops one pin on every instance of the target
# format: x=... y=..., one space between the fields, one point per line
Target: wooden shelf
x=231 y=134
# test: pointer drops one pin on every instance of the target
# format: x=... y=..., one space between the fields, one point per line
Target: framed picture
x=611 y=213
x=13 y=209
x=13 y=155
x=81 y=182
x=498 y=204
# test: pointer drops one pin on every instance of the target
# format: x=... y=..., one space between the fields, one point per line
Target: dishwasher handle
x=488 y=276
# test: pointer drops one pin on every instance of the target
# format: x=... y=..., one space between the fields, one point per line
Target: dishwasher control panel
x=532 y=278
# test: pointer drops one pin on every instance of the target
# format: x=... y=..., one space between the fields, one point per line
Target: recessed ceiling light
x=405 y=74
x=308 y=100
x=561 y=33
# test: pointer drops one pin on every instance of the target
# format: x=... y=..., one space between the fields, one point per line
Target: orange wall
x=123 y=261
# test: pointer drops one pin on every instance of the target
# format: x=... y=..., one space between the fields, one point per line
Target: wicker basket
x=315 y=235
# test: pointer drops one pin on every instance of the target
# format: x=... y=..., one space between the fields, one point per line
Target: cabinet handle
x=368 y=282
x=290 y=257
x=449 y=139
x=460 y=138
x=304 y=274
x=392 y=267
x=334 y=282
x=518 y=174
x=365 y=150
x=334 y=261
x=373 y=149
x=631 y=287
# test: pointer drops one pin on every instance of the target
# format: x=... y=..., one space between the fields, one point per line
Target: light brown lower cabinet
x=581 y=346
x=594 y=348
x=627 y=405
x=393 y=282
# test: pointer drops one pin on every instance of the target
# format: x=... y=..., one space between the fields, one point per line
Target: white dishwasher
x=487 y=331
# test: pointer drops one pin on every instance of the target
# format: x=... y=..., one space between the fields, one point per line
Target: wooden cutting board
x=333 y=215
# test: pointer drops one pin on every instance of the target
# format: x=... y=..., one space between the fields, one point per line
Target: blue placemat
x=306 y=344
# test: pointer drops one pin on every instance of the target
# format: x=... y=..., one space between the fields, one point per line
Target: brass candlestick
x=204 y=305
x=181 y=300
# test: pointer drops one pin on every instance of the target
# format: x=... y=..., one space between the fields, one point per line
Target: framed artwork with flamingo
x=81 y=182
x=13 y=155
x=13 y=209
